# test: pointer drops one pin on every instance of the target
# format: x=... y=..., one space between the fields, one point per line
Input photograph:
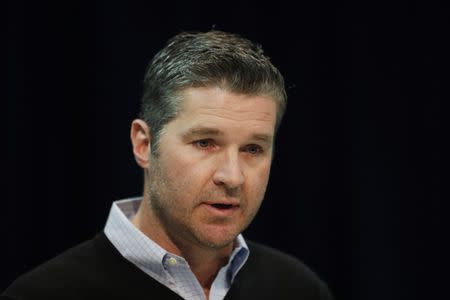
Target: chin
x=217 y=239
x=216 y=245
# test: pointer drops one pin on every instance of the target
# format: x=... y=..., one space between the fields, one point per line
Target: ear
x=141 y=141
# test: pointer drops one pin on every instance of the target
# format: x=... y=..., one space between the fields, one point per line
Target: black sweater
x=96 y=270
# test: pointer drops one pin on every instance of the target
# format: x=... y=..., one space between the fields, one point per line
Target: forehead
x=213 y=104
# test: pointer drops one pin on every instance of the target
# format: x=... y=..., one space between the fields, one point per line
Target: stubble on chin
x=182 y=223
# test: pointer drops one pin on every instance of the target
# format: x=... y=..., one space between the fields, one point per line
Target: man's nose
x=229 y=170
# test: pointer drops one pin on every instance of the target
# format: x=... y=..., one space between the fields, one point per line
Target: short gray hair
x=213 y=58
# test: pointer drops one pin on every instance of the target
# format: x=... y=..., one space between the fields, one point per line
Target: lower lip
x=221 y=212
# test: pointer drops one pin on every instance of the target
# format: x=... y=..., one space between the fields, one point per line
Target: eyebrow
x=201 y=131
x=262 y=138
x=207 y=131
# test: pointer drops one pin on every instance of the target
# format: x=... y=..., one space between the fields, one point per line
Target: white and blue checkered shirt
x=170 y=270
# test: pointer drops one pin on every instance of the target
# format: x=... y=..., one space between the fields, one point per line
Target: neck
x=205 y=262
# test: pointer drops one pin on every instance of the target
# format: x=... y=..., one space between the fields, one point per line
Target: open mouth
x=222 y=206
x=222 y=210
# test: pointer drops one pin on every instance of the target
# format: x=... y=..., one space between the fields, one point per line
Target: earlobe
x=141 y=142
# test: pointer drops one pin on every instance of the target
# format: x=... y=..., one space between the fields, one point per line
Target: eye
x=254 y=149
x=204 y=144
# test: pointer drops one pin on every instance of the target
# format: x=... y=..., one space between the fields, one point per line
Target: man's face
x=210 y=176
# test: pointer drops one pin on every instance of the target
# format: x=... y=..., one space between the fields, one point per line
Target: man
x=211 y=106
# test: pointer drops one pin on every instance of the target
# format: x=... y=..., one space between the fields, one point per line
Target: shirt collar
x=142 y=251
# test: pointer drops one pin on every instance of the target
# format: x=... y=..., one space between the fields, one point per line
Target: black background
x=356 y=186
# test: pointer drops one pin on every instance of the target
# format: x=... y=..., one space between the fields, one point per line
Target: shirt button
x=172 y=261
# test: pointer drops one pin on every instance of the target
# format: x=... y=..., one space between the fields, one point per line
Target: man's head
x=211 y=107
x=210 y=59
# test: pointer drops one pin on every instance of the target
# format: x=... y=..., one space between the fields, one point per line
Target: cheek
x=263 y=173
x=257 y=183
x=186 y=174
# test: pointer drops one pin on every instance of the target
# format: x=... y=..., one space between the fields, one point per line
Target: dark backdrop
x=356 y=185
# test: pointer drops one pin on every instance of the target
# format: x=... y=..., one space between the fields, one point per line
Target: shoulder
x=92 y=270
x=272 y=273
x=69 y=274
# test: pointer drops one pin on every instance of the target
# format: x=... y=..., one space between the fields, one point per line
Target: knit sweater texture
x=96 y=270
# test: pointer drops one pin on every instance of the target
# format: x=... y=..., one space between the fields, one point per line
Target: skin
x=217 y=150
